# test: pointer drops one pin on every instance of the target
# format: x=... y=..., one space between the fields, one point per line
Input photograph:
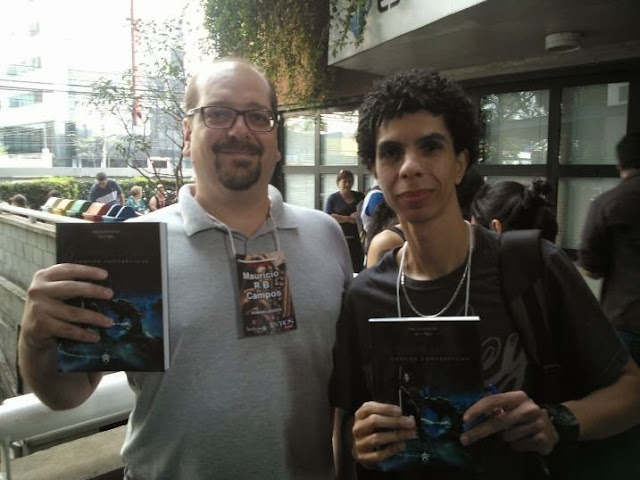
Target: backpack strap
x=521 y=277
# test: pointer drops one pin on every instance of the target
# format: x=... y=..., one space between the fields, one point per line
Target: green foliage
x=346 y=14
x=152 y=93
x=36 y=190
x=287 y=39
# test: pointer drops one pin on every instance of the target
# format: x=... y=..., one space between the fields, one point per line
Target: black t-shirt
x=611 y=248
x=594 y=350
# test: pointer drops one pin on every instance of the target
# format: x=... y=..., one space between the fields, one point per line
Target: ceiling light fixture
x=562 y=42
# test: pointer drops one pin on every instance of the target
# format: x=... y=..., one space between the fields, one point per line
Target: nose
x=239 y=126
x=412 y=165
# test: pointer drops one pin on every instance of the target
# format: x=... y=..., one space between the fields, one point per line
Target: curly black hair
x=412 y=91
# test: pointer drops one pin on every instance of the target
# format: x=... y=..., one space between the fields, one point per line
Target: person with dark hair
x=53 y=193
x=106 y=191
x=467 y=189
x=385 y=233
x=342 y=206
x=237 y=401
x=18 y=200
x=610 y=245
x=418 y=133
x=505 y=206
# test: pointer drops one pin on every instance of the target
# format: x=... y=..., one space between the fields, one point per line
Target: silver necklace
x=465 y=274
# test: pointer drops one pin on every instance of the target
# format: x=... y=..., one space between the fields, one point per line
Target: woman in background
x=342 y=206
x=508 y=206
x=136 y=201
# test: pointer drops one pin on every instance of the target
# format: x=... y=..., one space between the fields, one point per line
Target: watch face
x=564 y=422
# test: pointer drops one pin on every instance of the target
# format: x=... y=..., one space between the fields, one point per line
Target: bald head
x=224 y=66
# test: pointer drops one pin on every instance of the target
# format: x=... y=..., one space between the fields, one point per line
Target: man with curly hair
x=418 y=134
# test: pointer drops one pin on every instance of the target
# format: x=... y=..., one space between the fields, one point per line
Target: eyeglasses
x=215 y=116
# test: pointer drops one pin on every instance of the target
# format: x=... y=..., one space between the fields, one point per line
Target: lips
x=415 y=196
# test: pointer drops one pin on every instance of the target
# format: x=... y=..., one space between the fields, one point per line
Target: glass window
x=300 y=189
x=594 y=119
x=299 y=135
x=516 y=126
x=338 y=138
x=574 y=197
x=503 y=178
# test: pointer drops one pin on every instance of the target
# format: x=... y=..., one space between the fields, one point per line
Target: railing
x=36 y=215
x=25 y=420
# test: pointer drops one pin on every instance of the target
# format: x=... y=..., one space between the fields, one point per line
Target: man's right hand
x=380 y=431
x=46 y=316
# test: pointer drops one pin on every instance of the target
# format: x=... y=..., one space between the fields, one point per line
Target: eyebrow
x=424 y=138
x=248 y=106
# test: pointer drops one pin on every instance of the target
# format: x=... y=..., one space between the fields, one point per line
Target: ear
x=462 y=160
x=186 y=132
x=496 y=225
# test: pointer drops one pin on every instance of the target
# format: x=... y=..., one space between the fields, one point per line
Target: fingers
x=66 y=281
x=47 y=317
x=380 y=431
x=525 y=426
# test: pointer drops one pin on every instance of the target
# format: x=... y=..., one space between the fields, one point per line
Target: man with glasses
x=255 y=288
x=106 y=191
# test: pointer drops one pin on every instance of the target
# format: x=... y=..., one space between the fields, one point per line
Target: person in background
x=18 y=200
x=365 y=211
x=418 y=133
x=385 y=233
x=53 y=193
x=237 y=401
x=159 y=199
x=505 y=206
x=342 y=206
x=610 y=245
x=136 y=201
x=467 y=189
x=106 y=191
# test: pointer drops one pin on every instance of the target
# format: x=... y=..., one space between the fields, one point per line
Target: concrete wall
x=25 y=247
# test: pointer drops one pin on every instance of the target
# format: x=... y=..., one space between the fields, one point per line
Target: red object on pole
x=136 y=112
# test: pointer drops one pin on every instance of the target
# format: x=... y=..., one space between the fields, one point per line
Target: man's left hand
x=523 y=423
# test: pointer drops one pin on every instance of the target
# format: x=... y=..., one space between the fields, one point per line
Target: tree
x=285 y=38
x=147 y=103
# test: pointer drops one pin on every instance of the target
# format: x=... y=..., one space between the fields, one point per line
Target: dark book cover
x=431 y=368
x=135 y=255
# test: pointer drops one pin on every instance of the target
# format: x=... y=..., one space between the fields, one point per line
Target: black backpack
x=531 y=308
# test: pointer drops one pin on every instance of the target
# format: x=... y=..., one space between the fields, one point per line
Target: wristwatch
x=564 y=422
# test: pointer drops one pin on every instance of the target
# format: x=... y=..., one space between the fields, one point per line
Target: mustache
x=237 y=145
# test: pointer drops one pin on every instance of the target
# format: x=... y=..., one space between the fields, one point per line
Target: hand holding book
x=380 y=431
x=48 y=317
x=525 y=425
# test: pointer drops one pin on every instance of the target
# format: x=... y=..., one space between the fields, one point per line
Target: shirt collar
x=196 y=219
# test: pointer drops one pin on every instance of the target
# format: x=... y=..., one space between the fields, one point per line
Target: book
x=431 y=368
x=135 y=255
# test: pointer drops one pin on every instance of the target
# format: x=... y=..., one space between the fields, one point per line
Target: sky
x=95 y=33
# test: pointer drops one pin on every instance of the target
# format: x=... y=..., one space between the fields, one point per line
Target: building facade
x=557 y=84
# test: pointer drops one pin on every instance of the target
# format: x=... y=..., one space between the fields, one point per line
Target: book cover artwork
x=134 y=254
x=431 y=368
